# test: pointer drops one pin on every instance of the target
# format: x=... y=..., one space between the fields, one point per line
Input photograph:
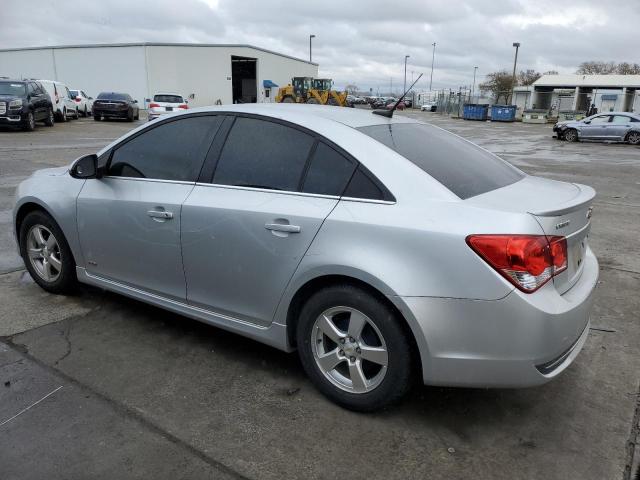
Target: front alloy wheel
x=571 y=135
x=44 y=253
x=349 y=349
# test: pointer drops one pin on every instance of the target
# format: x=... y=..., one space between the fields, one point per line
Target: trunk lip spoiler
x=586 y=196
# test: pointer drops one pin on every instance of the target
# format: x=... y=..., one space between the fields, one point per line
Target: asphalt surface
x=99 y=386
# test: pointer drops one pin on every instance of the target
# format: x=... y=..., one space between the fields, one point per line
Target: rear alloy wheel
x=354 y=348
x=50 y=120
x=30 y=123
x=571 y=135
x=46 y=253
x=633 y=138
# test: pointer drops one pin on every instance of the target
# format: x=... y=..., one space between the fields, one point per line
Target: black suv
x=23 y=103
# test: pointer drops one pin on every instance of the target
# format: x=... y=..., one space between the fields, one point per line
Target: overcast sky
x=361 y=42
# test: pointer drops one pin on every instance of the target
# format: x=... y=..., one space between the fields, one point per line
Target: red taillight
x=78 y=99
x=527 y=261
x=183 y=106
x=153 y=105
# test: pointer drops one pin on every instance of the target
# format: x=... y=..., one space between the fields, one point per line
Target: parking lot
x=100 y=386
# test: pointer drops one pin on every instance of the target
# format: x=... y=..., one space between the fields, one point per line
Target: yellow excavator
x=313 y=91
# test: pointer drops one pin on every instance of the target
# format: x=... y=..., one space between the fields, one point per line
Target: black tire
x=30 y=123
x=137 y=117
x=397 y=380
x=63 y=115
x=130 y=116
x=633 y=138
x=50 y=120
x=570 y=135
x=96 y=117
x=85 y=114
x=66 y=281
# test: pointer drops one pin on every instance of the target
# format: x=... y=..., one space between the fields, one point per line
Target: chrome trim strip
x=266 y=190
x=153 y=180
x=173 y=302
x=367 y=200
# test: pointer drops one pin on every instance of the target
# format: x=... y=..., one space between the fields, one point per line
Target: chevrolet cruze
x=382 y=249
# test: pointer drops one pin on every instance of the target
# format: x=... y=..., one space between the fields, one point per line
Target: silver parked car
x=380 y=248
x=612 y=126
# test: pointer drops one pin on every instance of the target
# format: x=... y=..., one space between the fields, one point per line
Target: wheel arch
x=25 y=209
x=308 y=288
x=626 y=137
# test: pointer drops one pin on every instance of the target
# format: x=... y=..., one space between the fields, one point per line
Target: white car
x=429 y=107
x=64 y=105
x=164 y=103
x=83 y=101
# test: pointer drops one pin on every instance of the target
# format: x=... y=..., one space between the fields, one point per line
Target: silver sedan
x=380 y=248
x=612 y=126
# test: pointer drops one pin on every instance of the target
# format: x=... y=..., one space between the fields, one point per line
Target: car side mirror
x=85 y=167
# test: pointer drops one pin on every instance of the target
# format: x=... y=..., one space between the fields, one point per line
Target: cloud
x=361 y=42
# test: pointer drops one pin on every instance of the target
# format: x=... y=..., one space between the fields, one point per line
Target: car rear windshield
x=464 y=168
x=10 y=88
x=168 y=98
x=113 y=96
x=74 y=93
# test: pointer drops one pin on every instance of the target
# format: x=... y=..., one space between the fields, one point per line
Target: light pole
x=473 y=89
x=404 y=87
x=433 y=57
x=310 y=37
x=515 y=61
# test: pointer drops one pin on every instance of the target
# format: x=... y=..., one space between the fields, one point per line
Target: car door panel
x=596 y=129
x=125 y=235
x=129 y=220
x=241 y=246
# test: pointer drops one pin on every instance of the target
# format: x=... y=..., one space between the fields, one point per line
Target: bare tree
x=527 y=77
x=351 y=89
x=626 y=68
x=499 y=84
x=596 y=68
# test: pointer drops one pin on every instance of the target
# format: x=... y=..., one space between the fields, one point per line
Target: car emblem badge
x=562 y=224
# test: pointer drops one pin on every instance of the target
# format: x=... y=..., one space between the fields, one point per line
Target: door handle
x=162 y=214
x=283 y=227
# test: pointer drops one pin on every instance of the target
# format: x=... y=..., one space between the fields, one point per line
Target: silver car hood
x=51 y=172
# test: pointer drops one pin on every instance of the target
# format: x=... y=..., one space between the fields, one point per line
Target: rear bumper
x=112 y=113
x=520 y=340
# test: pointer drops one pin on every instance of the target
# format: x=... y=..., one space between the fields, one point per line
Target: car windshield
x=112 y=96
x=10 y=88
x=168 y=98
x=464 y=168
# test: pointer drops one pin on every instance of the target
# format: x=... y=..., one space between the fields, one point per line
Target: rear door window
x=462 y=167
x=620 y=119
x=329 y=172
x=263 y=154
x=170 y=151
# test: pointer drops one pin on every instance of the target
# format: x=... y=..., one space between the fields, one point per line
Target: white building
x=206 y=74
x=576 y=93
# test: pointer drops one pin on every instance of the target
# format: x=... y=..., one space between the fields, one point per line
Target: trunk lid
x=560 y=208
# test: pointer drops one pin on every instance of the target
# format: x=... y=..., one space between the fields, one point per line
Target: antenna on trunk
x=389 y=113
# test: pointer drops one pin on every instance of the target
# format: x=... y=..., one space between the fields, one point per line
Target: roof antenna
x=389 y=113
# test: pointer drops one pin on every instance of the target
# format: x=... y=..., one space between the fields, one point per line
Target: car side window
x=30 y=89
x=363 y=186
x=620 y=119
x=602 y=119
x=171 y=151
x=329 y=172
x=263 y=154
